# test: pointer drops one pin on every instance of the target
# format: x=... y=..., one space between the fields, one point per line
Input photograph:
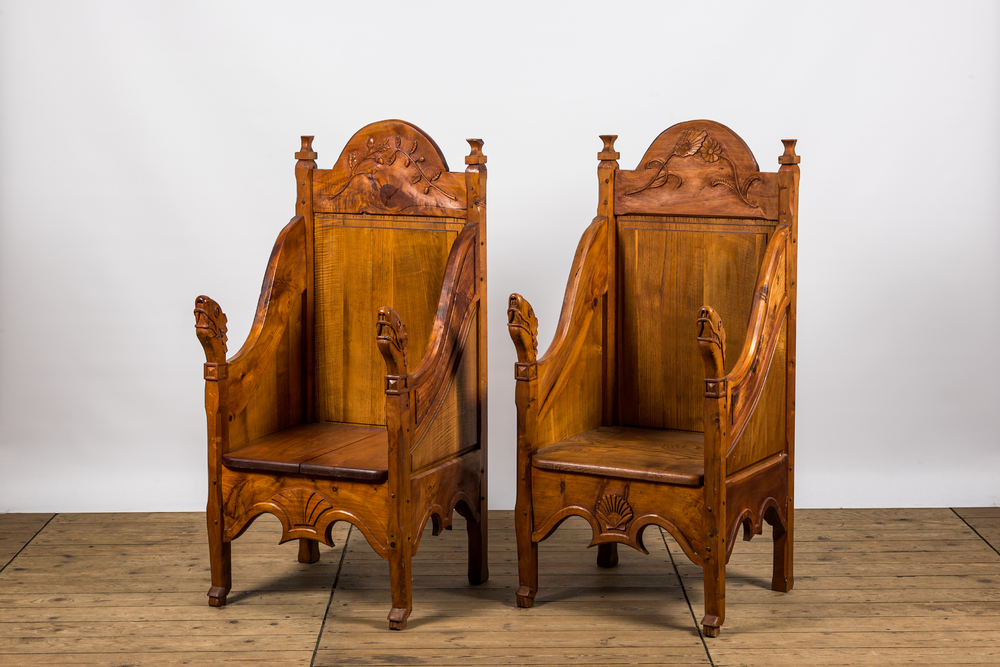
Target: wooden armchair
x=337 y=407
x=639 y=413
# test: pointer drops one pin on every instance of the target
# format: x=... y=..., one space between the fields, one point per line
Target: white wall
x=146 y=157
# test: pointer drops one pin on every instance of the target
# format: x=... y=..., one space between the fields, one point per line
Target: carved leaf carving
x=376 y=156
x=689 y=144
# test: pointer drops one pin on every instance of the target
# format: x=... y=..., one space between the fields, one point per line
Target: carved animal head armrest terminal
x=712 y=342
x=391 y=334
x=523 y=327
x=210 y=325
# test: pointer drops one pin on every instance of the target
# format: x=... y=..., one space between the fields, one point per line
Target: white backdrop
x=146 y=157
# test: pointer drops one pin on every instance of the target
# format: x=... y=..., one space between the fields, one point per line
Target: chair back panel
x=362 y=264
x=668 y=269
x=384 y=220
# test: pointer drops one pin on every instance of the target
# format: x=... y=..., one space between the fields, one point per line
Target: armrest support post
x=210 y=326
x=712 y=344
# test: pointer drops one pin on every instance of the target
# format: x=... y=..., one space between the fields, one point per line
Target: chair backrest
x=691 y=226
x=383 y=219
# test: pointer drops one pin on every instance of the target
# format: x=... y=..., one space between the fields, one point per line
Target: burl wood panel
x=669 y=269
x=402 y=266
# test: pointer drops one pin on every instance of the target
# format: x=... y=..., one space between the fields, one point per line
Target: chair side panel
x=668 y=268
x=454 y=427
x=764 y=434
x=363 y=263
x=278 y=401
x=574 y=402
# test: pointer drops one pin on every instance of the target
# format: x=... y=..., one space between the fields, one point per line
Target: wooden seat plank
x=366 y=460
x=287 y=450
x=656 y=455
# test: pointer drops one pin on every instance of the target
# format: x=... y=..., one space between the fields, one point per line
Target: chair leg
x=479 y=567
x=402 y=586
x=308 y=551
x=782 y=579
x=527 y=563
x=715 y=596
x=607 y=554
x=220 y=559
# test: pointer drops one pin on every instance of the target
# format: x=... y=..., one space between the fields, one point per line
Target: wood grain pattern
x=360 y=395
x=360 y=270
x=636 y=416
x=668 y=273
x=876 y=587
x=673 y=457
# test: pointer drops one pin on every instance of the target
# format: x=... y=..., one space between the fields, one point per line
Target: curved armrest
x=284 y=281
x=456 y=306
x=744 y=383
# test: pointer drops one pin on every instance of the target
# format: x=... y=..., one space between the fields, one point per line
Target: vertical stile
x=788 y=197
x=605 y=206
x=306 y=157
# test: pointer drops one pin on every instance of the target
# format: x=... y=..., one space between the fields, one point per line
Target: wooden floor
x=873 y=587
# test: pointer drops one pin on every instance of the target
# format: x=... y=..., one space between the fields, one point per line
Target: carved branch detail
x=210 y=326
x=391 y=334
x=523 y=327
x=691 y=143
x=382 y=155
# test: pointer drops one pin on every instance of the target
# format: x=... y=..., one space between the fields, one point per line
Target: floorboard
x=872 y=587
x=916 y=587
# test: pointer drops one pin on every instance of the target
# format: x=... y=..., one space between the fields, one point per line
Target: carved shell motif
x=302 y=506
x=614 y=511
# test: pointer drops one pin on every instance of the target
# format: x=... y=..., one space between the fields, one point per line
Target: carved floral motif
x=691 y=143
x=614 y=511
x=382 y=155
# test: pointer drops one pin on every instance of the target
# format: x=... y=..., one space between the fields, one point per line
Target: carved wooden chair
x=639 y=413
x=337 y=407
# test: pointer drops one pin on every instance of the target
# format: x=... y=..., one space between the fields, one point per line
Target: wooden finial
x=306 y=153
x=789 y=156
x=476 y=155
x=609 y=152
